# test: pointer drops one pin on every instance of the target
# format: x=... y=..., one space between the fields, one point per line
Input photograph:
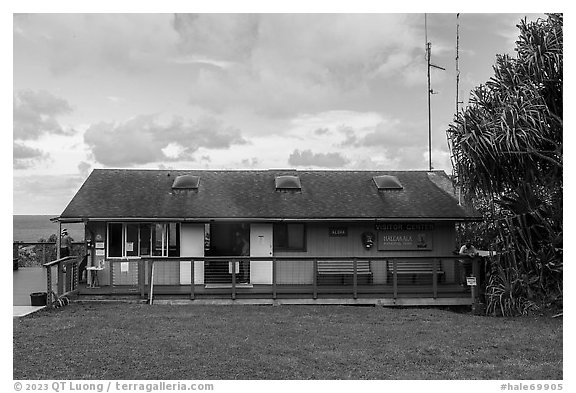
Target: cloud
x=72 y=43
x=250 y=162
x=25 y=157
x=392 y=134
x=144 y=140
x=278 y=65
x=84 y=168
x=217 y=37
x=44 y=193
x=325 y=160
x=36 y=113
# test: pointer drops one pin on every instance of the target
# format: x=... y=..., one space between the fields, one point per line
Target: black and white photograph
x=222 y=200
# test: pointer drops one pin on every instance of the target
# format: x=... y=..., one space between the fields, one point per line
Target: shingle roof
x=124 y=193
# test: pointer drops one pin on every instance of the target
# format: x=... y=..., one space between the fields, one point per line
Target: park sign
x=404 y=236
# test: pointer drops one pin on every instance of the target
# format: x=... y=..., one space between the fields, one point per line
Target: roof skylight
x=288 y=182
x=186 y=182
x=387 y=182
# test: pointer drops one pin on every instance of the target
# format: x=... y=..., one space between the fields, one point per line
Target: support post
x=49 y=287
x=395 y=277
x=60 y=275
x=274 y=278
x=233 y=279
x=434 y=278
x=474 y=288
x=315 y=280
x=150 y=278
x=110 y=262
x=76 y=280
x=141 y=276
x=58 y=239
x=192 y=263
x=355 y=279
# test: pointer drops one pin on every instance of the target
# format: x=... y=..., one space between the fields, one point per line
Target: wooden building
x=385 y=237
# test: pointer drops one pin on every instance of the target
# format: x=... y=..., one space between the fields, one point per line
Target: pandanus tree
x=507 y=154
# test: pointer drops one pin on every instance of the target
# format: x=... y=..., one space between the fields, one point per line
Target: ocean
x=32 y=228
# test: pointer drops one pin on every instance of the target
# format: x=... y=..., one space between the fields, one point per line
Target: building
x=362 y=236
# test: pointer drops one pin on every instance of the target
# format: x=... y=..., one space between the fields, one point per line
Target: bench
x=342 y=272
x=408 y=271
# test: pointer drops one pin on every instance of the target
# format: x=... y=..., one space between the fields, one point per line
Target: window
x=145 y=238
x=289 y=237
x=135 y=240
x=115 y=240
x=132 y=244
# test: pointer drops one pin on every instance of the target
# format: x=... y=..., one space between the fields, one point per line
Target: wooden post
x=434 y=278
x=192 y=263
x=151 y=292
x=141 y=276
x=43 y=253
x=60 y=275
x=76 y=280
x=150 y=278
x=274 y=278
x=233 y=279
x=49 y=286
x=110 y=262
x=355 y=279
x=58 y=239
x=474 y=288
x=315 y=280
x=395 y=277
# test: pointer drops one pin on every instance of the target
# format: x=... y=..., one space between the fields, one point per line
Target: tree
x=507 y=153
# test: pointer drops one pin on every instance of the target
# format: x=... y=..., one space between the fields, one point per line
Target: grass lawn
x=133 y=341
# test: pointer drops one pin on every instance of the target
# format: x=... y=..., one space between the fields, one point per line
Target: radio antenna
x=457 y=65
x=430 y=91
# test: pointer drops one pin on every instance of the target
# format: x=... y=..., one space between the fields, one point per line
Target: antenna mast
x=457 y=65
x=430 y=91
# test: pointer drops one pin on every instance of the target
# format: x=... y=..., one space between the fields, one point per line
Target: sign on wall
x=405 y=236
x=338 y=231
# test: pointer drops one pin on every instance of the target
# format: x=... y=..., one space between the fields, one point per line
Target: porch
x=389 y=281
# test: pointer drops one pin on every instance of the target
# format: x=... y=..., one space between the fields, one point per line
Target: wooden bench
x=342 y=272
x=410 y=270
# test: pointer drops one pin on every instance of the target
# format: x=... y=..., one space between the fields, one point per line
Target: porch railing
x=39 y=253
x=66 y=280
x=403 y=276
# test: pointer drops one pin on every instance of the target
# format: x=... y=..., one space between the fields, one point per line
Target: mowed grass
x=136 y=341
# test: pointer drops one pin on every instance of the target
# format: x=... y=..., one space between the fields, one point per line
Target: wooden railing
x=429 y=267
x=67 y=279
x=46 y=250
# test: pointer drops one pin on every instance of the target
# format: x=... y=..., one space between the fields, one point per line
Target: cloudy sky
x=239 y=91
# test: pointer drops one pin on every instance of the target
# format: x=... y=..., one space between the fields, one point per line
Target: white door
x=191 y=245
x=261 y=246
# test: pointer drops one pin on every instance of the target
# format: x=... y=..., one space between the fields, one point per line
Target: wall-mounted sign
x=100 y=253
x=99 y=244
x=404 y=226
x=405 y=236
x=338 y=231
